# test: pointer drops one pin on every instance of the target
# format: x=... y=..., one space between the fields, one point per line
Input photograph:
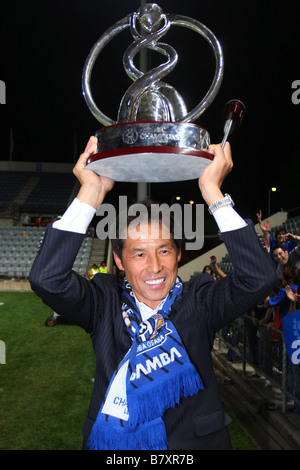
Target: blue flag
x=291 y=334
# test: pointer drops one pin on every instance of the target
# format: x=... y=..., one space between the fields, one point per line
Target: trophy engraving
x=154 y=138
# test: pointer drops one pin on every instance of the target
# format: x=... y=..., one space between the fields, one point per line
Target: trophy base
x=151 y=152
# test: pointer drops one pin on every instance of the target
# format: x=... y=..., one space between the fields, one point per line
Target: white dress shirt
x=79 y=215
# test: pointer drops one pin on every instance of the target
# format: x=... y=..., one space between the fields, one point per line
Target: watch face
x=225 y=201
x=229 y=199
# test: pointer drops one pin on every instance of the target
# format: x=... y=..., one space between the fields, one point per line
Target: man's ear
x=179 y=254
x=118 y=261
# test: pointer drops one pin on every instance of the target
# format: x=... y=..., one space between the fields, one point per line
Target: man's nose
x=154 y=263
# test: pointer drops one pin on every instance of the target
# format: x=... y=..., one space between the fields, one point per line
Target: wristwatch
x=225 y=201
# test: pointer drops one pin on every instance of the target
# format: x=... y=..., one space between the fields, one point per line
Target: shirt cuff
x=228 y=219
x=77 y=217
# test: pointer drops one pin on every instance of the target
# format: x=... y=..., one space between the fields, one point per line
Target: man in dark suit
x=204 y=306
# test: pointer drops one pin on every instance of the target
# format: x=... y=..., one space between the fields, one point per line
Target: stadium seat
x=17 y=252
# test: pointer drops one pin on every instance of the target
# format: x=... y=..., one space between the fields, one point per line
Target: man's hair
x=118 y=243
x=205 y=267
x=279 y=245
x=291 y=274
x=280 y=230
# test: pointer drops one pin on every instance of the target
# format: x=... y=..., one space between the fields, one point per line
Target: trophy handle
x=219 y=70
x=89 y=64
x=173 y=19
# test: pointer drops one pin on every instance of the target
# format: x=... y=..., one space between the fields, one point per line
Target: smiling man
x=284 y=257
x=154 y=384
x=149 y=256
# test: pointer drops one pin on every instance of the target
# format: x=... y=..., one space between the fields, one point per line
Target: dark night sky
x=43 y=49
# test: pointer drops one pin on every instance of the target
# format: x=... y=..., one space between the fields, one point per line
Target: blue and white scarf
x=152 y=377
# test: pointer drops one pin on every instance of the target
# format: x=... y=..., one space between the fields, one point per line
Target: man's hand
x=211 y=180
x=290 y=237
x=293 y=296
x=93 y=187
x=259 y=216
x=266 y=302
x=266 y=225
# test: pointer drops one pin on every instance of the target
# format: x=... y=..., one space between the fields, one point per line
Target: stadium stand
x=34 y=192
x=50 y=195
x=10 y=183
x=292 y=225
x=19 y=246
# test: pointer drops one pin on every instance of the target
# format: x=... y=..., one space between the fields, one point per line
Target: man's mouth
x=155 y=282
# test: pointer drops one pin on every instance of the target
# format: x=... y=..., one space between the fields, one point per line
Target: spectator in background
x=93 y=271
x=25 y=220
x=39 y=222
x=50 y=220
x=90 y=231
x=285 y=258
x=251 y=325
x=103 y=268
x=294 y=299
x=290 y=277
x=294 y=303
x=280 y=237
x=218 y=271
x=208 y=270
x=263 y=317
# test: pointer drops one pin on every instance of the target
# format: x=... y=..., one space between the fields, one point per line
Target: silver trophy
x=153 y=139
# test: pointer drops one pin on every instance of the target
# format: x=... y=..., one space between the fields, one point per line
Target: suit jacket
x=198 y=422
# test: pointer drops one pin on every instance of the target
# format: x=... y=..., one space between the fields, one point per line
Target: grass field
x=46 y=383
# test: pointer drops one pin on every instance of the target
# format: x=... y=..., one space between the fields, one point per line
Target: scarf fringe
x=152 y=401
x=149 y=436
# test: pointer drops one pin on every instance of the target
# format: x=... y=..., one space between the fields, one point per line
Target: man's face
x=207 y=270
x=150 y=260
x=281 y=256
x=281 y=237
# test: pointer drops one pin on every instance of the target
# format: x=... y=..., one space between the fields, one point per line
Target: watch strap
x=224 y=201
